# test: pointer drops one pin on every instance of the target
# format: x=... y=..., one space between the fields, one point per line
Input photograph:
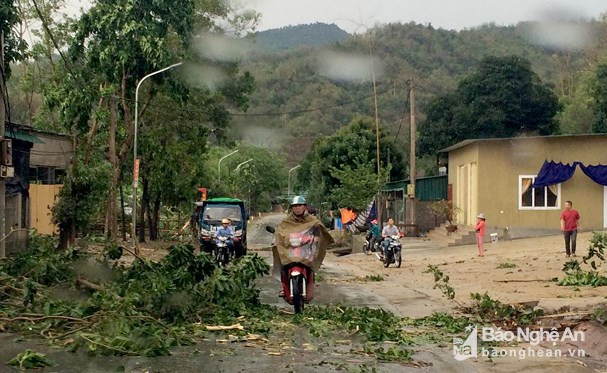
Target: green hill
x=317 y=34
x=436 y=59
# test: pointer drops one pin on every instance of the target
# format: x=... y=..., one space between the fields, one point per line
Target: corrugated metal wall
x=426 y=189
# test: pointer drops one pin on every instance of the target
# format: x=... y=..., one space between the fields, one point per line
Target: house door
x=462 y=194
x=473 y=197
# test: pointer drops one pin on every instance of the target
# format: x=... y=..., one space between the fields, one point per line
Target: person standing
x=480 y=234
x=570 y=224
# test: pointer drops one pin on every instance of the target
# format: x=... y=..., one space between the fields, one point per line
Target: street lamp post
x=242 y=164
x=219 y=164
x=135 y=160
x=289 y=184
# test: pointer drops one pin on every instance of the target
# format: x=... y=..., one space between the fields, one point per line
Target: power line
x=402 y=119
x=269 y=114
x=308 y=110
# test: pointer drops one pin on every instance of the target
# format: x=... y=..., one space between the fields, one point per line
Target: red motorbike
x=296 y=277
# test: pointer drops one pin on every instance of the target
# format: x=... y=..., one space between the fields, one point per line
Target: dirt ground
x=538 y=261
x=408 y=291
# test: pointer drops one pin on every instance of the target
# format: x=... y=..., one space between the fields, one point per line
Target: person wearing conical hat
x=480 y=233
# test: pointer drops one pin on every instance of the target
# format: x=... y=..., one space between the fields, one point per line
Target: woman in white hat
x=480 y=233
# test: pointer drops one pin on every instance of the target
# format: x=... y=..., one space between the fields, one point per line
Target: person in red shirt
x=570 y=224
x=480 y=234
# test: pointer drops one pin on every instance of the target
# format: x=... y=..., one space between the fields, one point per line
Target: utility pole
x=412 y=171
x=2 y=123
x=378 y=207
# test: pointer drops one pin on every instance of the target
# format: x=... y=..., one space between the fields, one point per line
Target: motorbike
x=392 y=254
x=367 y=249
x=297 y=279
x=222 y=250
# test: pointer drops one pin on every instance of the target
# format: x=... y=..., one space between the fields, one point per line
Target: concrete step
x=439 y=238
x=442 y=231
x=463 y=236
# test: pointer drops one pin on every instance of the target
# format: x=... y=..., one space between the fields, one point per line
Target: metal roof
x=18 y=135
x=464 y=143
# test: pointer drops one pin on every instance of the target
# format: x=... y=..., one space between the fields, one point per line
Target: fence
x=427 y=189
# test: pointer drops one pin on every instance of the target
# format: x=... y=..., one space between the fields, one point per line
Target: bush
x=577 y=276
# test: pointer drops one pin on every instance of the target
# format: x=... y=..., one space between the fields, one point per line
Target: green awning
x=17 y=135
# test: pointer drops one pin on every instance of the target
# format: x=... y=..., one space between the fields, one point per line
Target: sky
x=357 y=15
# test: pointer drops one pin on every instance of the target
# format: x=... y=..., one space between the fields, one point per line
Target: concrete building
x=495 y=176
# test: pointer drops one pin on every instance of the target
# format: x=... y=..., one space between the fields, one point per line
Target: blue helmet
x=298 y=200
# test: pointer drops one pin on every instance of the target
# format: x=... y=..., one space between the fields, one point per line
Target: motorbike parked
x=392 y=254
x=297 y=279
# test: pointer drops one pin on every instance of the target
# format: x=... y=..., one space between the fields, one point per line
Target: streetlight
x=289 y=185
x=135 y=160
x=219 y=164
x=242 y=164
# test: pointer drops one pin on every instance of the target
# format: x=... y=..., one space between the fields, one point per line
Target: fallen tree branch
x=213 y=328
x=126 y=352
x=33 y=319
x=72 y=332
x=132 y=253
x=90 y=285
x=557 y=315
x=182 y=229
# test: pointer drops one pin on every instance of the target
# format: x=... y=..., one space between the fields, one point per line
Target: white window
x=547 y=198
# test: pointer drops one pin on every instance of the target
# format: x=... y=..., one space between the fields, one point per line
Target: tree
x=115 y=44
x=352 y=146
x=578 y=114
x=173 y=147
x=259 y=181
x=502 y=98
x=14 y=46
x=599 y=93
x=357 y=184
x=437 y=58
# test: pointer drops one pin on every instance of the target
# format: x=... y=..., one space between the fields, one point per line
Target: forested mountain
x=292 y=83
x=317 y=34
x=435 y=59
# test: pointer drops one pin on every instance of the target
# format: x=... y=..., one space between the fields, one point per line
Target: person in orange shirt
x=480 y=234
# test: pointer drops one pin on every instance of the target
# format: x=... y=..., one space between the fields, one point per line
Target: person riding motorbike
x=388 y=231
x=297 y=221
x=375 y=234
x=227 y=231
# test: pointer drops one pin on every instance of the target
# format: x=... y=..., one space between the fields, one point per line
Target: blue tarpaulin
x=597 y=173
x=554 y=173
x=373 y=213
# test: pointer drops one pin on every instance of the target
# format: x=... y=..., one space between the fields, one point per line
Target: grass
x=506 y=265
x=370 y=278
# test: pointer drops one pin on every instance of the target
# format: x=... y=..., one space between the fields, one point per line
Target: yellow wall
x=42 y=199
x=500 y=162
